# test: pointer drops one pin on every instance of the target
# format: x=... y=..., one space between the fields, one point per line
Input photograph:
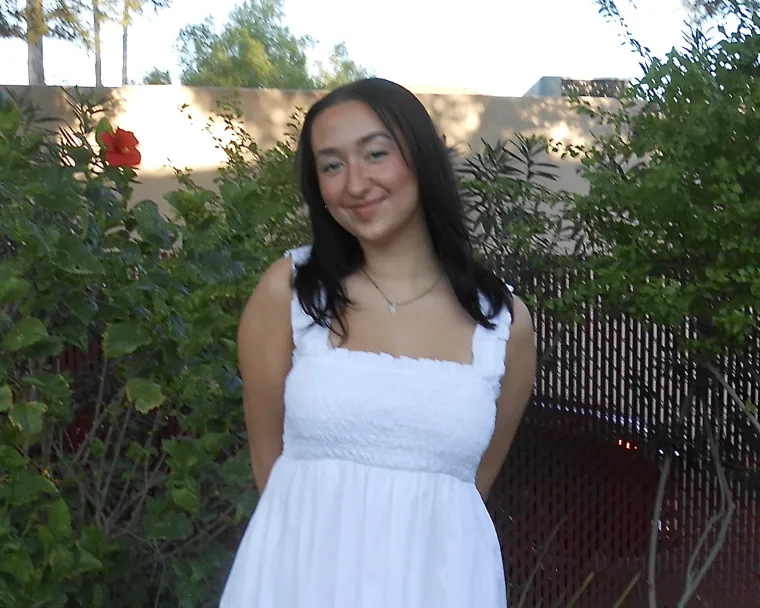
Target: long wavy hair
x=337 y=254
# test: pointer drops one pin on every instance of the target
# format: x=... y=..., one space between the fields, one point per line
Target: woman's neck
x=405 y=261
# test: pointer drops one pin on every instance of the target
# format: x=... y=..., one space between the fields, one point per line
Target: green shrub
x=124 y=479
x=520 y=222
x=674 y=203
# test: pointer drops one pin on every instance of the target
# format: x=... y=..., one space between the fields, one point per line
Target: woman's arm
x=516 y=389
x=265 y=347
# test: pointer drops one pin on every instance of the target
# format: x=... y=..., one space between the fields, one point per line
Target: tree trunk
x=124 y=43
x=35 y=62
x=35 y=31
x=96 y=19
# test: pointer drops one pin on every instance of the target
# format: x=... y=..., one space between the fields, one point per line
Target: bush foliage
x=520 y=220
x=121 y=479
x=674 y=203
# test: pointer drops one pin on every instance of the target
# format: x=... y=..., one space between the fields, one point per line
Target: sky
x=491 y=47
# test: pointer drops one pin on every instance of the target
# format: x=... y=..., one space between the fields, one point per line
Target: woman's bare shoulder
x=522 y=321
x=276 y=284
x=270 y=300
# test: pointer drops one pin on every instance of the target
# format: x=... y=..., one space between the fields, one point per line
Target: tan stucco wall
x=170 y=137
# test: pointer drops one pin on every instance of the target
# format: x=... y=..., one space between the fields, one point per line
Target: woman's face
x=363 y=177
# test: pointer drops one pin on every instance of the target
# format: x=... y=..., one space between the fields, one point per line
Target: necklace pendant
x=392 y=308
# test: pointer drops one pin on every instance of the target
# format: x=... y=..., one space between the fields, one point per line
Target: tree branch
x=654 y=531
x=209 y=533
x=579 y=593
x=734 y=396
x=627 y=590
x=117 y=511
x=724 y=516
x=117 y=449
x=539 y=561
x=137 y=504
x=99 y=506
x=99 y=416
x=71 y=473
x=659 y=501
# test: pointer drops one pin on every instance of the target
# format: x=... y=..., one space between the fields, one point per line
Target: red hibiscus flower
x=121 y=148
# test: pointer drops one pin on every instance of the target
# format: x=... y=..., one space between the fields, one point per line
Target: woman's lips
x=365 y=211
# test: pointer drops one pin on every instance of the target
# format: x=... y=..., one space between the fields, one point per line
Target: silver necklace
x=393 y=305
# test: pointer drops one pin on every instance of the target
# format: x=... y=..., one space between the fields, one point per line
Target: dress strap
x=489 y=346
x=299 y=255
x=307 y=335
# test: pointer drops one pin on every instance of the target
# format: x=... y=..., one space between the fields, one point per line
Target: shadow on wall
x=171 y=124
x=468 y=120
x=53 y=106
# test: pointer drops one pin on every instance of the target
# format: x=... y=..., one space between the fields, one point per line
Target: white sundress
x=373 y=503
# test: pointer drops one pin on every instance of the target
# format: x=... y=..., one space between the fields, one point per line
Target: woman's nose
x=357 y=182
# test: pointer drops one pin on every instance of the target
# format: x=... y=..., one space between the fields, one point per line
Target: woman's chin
x=382 y=228
x=374 y=230
x=374 y=236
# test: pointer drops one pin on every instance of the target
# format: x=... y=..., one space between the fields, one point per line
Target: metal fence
x=574 y=503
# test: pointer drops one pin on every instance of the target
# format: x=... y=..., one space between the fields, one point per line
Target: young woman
x=385 y=372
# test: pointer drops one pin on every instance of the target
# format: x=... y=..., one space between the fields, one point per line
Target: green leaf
x=123 y=339
x=11 y=459
x=213 y=442
x=103 y=126
x=14 y=290
x=61 y=561
x=18 y=564
x=6 y=398
x=99 y=597
x=184 y=454
x=169 y=525
x=11 y=268
x=5 y=523
x=27 y=416
x=59 y=519
x=235 y=472
x=135 y=452
x=10 y=120
x=46 y=536
x=25 y=333
x=74 y=257
x=92 y=540
x=145 y=394
x=185 y=496
x=98 y=448
x=152 y=226
x=53 y=387
x=130 y=253
x=86 y=561
x=50 y=347
x=30 y=486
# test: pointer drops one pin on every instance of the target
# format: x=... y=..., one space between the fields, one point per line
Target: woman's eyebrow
x=362 y=141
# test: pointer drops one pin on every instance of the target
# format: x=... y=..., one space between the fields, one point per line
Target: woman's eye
x=328 y=167
x=378 y=154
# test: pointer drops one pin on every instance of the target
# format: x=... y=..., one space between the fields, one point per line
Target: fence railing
x=574 y=503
